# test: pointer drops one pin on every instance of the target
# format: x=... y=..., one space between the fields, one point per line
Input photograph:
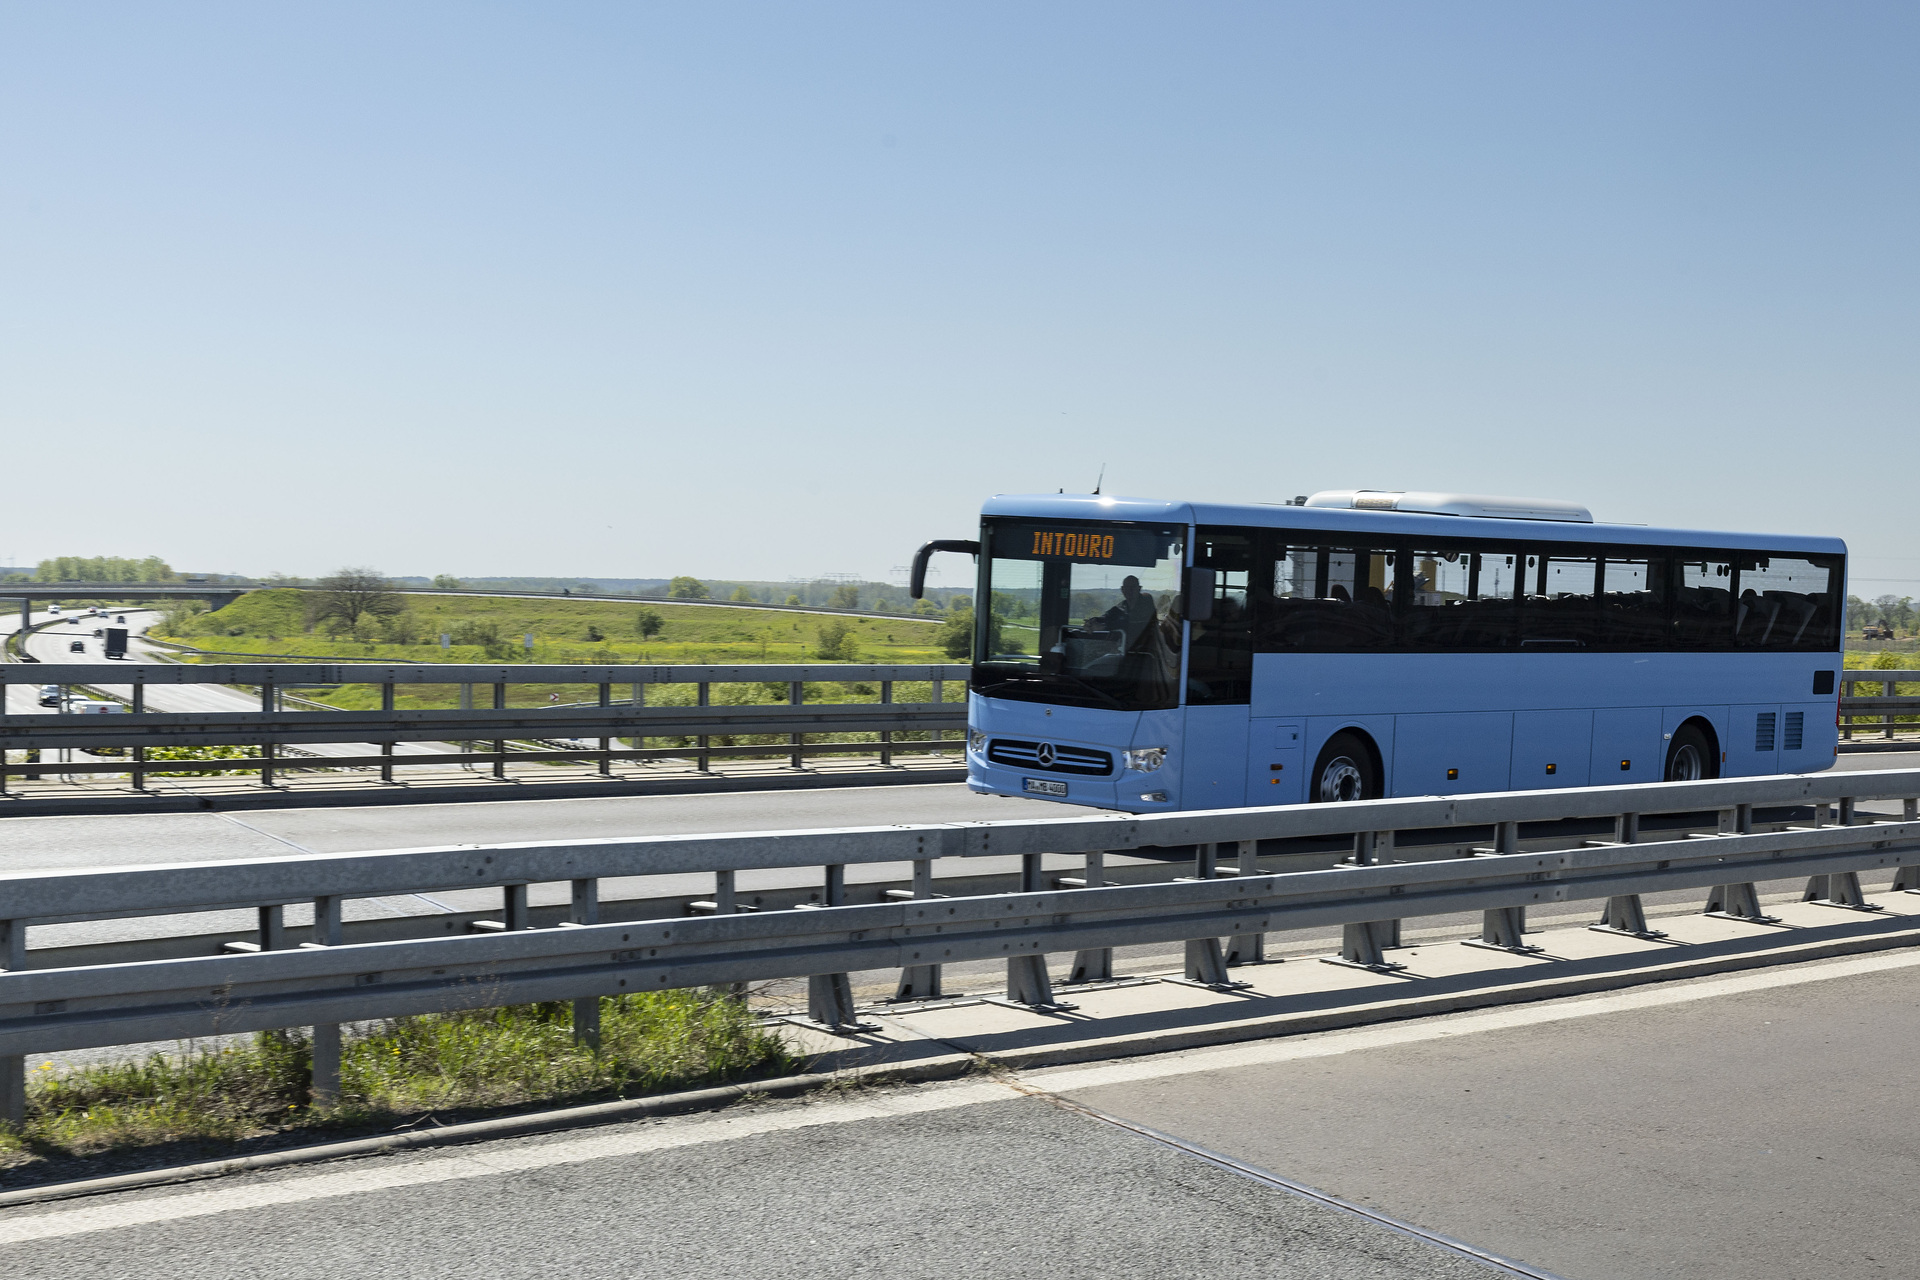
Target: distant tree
x=846 y=596
x=837 y=642
x=742 y=594
x=793 y=601
x=103 y=569
x=648 y=623
x=594 y=634
x=447 y=582
x=924 y=608
x=686 y=588
x=354 y=596
x=956 y=637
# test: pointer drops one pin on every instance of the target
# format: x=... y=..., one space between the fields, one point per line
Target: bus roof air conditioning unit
x=1452 y=504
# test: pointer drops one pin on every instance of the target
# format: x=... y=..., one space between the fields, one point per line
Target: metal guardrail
x=1888 y=704
x=326 y=981
x=270 y=727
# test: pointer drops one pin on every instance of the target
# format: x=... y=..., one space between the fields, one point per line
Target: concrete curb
x=188 y=802
x=945 y=1067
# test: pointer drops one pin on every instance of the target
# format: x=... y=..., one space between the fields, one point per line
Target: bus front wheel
x=1345 y=771
x=1690 y=757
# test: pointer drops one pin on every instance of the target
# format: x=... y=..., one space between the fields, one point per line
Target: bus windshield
x=1080 y=614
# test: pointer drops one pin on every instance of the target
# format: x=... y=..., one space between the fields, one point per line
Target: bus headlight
x=1145 y=759
x=976 y=742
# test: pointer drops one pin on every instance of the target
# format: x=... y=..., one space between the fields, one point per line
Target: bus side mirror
x=917 y=584
x=1199 y=594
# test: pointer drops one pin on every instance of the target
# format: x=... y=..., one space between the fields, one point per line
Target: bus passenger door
x=1276 y=762
x=1551 y=749
x=1627 y=746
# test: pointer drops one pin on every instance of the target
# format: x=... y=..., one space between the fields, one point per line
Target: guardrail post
x=139 y=753
x=586 y=1011
x=796 y=696
x=886 y=735
x=1361 y=944
x=830 y=995
x=939 y=696
x=1742 y=901
x=920 y=981
x=500 y=744
x=1027 y=979
x=1890 y=688
x=1907 y=879
x=325 y=1088
x=1248 y=948
x=1842 y=888
x=639 y=701
x=514 y=907
x=606 y=744
x=266 y=750
x=705 y=761
x=13 y=1066
x=1625 y=913
x=386 y=748
x=1096 y=964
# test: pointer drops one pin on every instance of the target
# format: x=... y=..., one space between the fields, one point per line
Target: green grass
x=272 y=622
x=402 y=1070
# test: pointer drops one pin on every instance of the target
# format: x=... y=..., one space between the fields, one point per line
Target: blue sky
x=773 y=290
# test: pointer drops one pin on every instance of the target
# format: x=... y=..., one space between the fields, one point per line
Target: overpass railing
x=1534 y=853
x=1884 y=704
x=498 y=734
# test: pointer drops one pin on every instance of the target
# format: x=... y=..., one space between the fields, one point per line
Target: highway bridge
x=1737 y=1124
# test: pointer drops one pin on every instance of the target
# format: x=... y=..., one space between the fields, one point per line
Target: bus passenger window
x=1703 y=604
x=1557 y=612
x=1327 y=600
x=1459 y=600
x=1633 y=603
x=1785 y=602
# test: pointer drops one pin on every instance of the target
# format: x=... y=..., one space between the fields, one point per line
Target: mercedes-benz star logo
x=1045 y=753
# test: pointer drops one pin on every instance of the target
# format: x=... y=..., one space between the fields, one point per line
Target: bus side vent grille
x=1763 y=731
x=1027 y=755
x=1796 y=729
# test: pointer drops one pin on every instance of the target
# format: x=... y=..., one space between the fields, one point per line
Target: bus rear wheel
x=1690 y=757
x=1345 y=771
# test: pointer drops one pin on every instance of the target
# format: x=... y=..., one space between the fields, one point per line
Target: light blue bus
x=1147 y=655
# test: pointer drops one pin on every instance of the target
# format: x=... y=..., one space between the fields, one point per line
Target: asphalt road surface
x=1751 y=1127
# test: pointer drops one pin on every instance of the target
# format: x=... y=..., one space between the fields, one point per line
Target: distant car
x=53 y=608
x=1875 y=633
x=98 y=632
x=78 y=646
x=49 y=695
x=120 y=617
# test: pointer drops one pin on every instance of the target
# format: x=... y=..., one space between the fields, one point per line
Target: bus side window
x=1633 y=603
x=1703 y=604
x=1558 y=609
x=1459 y=599
x=1326 y=599
x=1785 y=602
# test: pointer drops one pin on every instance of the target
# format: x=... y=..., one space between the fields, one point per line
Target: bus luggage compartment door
x=1551 y=749
x=1443 y=755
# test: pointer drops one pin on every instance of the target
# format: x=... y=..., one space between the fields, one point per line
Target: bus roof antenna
x=1101 y=480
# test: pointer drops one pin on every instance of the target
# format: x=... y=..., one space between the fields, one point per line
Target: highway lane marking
x=1447 y=1027
x=483 y=1161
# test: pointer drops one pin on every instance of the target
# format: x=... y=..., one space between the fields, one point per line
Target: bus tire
x=1690 y=756
x=1346 y=770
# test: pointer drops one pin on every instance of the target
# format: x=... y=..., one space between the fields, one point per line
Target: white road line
x=481 y=1161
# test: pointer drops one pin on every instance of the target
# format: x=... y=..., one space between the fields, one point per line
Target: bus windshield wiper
x=1043 y=680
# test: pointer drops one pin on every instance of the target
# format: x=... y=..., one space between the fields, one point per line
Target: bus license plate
x=1046 y=787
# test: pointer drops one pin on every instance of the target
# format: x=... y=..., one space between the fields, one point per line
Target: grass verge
x=452 y=1067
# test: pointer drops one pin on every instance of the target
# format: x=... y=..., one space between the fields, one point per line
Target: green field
x=490 y=629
